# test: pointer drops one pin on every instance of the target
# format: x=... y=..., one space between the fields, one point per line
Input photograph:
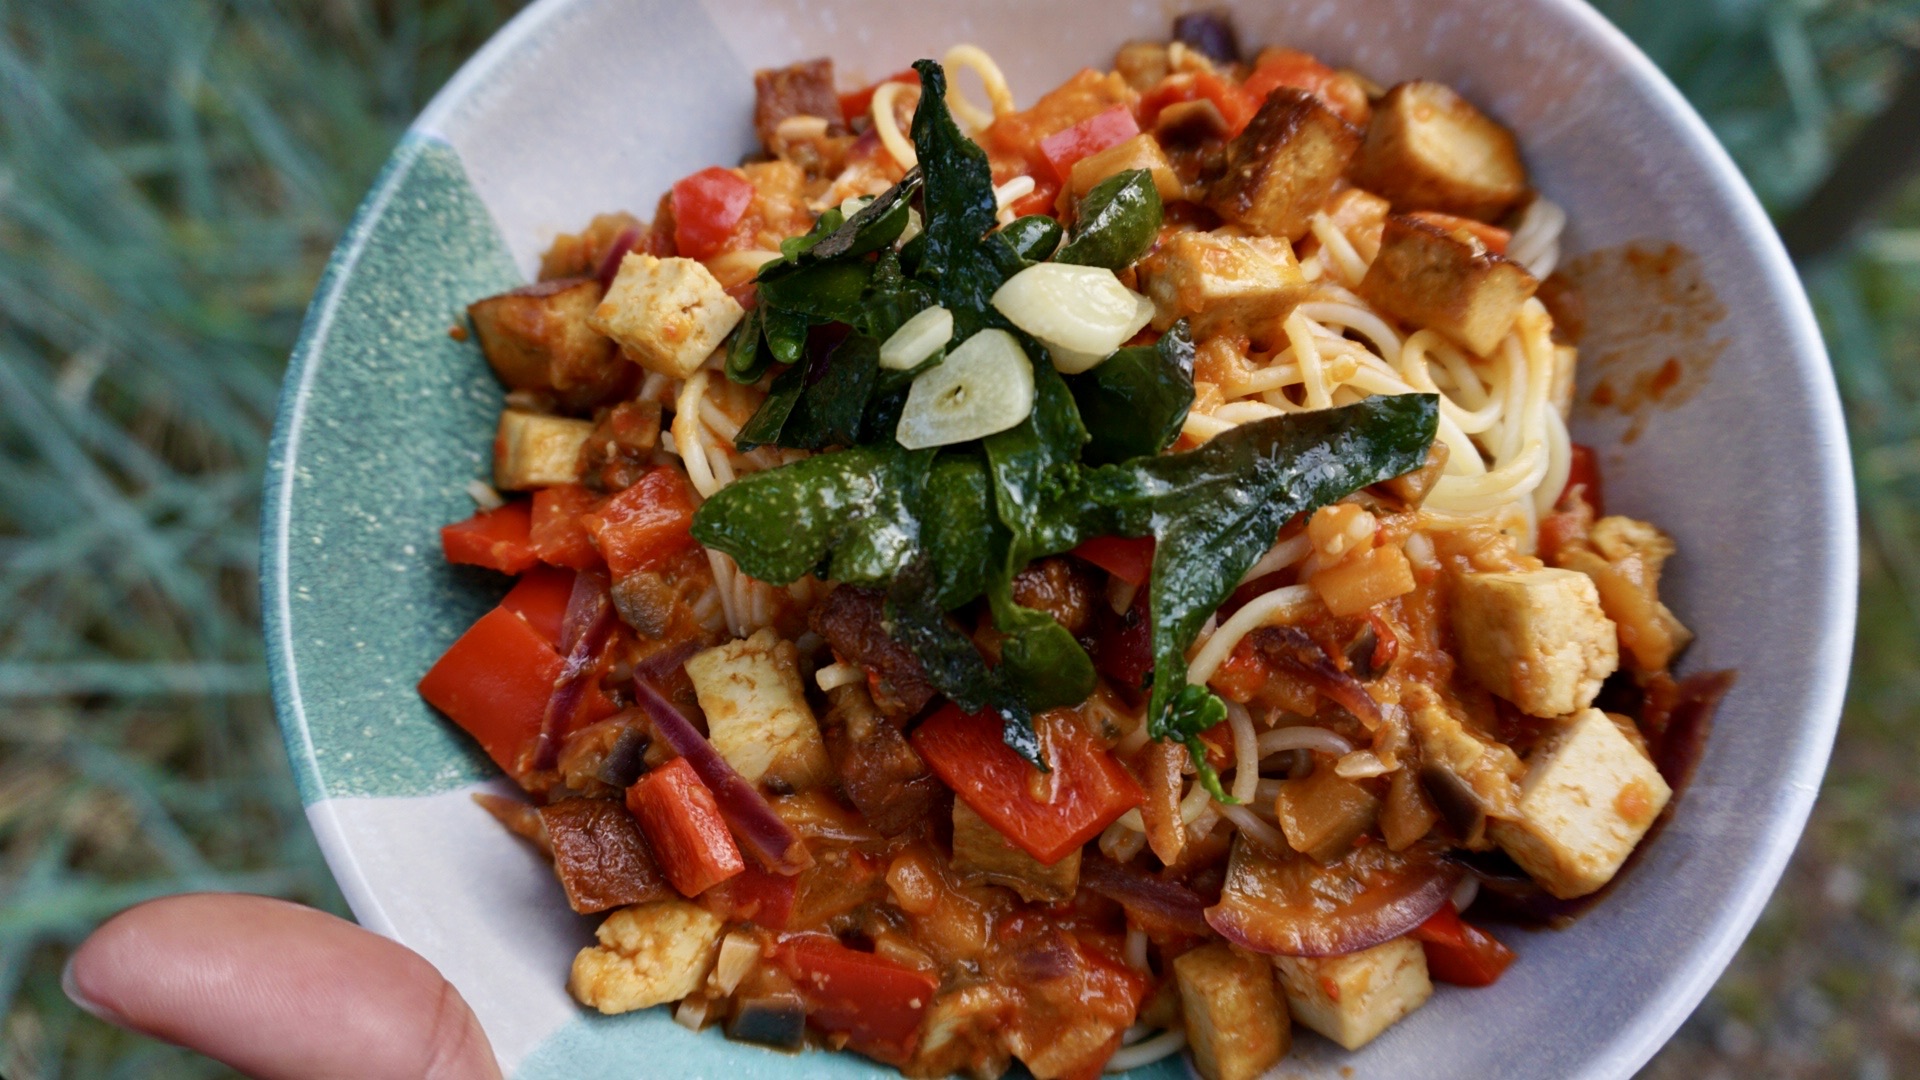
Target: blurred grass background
x=172 y=176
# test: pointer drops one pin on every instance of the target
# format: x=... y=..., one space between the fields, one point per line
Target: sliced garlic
x=1080 y=313
x=983 y=386
x=918 y=338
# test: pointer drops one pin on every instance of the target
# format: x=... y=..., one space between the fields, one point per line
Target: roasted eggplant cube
x=537 y=338
x=1322 y=814
x=1353 y=998
x=1448 y=281
x=880 y=771
x=600 y=857
x=1284 y=165
x=1428 y=148
x=802 y=89
x=1237 y=1024
x=778 y=1021
x=982 y=854
x=533 y=450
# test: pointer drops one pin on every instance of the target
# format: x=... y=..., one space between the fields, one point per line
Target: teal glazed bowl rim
x=384 y=418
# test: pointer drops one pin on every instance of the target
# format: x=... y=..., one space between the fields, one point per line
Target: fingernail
x=72 y=990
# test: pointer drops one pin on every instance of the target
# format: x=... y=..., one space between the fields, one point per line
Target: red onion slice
x=1151 y=902
x=622 y=245
x=760 y=830
x=1293 y=906
x=584 y=632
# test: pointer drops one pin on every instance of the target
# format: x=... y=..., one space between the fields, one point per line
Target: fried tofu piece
x=1223 y=284
x=532 y=450
x=537 y=337
x=1140 y=152
x=1237 y=1024
x=982 y=855
x=647 y=955
x=1589 y=796
x=757 y=712
x=668 y=314
x=1284 y=165
x=1536 y=637
x=1428 y=148
x=802 y=89
x=1448 y=281
x=1351 y=999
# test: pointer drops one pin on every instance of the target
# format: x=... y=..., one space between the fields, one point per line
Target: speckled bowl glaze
x=581 y=106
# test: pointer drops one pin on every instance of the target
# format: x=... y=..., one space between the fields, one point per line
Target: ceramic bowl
x=581 y=106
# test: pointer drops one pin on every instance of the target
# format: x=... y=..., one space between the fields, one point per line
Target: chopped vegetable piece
x=779 y=1021
x=559 y=538
x=1461 y=954
x=917 y=340
x=1129 y=558
x=1276 y=68
x=1289 y=905
x=876 y=1003
x=706 y=207
x=540 y=597
x=756 y=895
x=1118 y=221
x=1135 y=402
x=1080 y=313
x=982 y=387
x=1047 y=815
x=684 y=825
x=494 y=682
x=1090 y=136
x=600 y=856
x=646 y=525
x=496 y=539
x=982 y=854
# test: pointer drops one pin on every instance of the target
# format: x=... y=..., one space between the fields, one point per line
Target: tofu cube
x=537 y=337
x=533 y=450
x=647 y=955
x=757 y=712
x=1537 y=637
x=1428 y=148
x=1589 y=796
x=1237 y=1024
x=1448 y=281
x=669 y=314
x=1223 y=284
x=1284 y=165
x=982 y=854
x=1140 y=152
x=1350 y=999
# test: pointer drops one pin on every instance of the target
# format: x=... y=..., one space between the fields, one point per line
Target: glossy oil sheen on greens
x=1136 y=400
x=1117 y=223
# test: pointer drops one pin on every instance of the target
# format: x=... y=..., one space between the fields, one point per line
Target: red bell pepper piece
x=755 y=895
x=1040 y=200
x=877 y=1003
x=494 y=682
x=1584 y=471
x=1458 y=953
x=860 y=102
x=645 y=525
x=1086 y=138
x=496 y=539
x=1128 y=558
x=557 y=534
x=1236 y=105
x=540 y=597
x=684 y=825
x=706 y=207
x=1086 y=790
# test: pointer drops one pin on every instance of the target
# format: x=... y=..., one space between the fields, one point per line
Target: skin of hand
x=277 y=991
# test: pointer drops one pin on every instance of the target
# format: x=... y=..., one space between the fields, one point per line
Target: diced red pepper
x=558 y=536
x=877 y=1003
x=1236 y=105
x=1584 y=471
x=496 y=539
x=1123 y=644
x=1046 y=815
x=706 y=207
x=1492 y=237
x=1040 y=200
x=860 y=102
x=645 y=525
x=755 y=895
x=540 y=597
x=1128 y=558
x=1086 y=138
x=494 y=682
x=1304 y=71
x=684 y=825
x=1461 y=954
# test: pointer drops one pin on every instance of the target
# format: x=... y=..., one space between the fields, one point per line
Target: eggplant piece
x=1284 y=166
x=1209 y=32
x=600 y=856
x=982 y=855
x=852 y=620
x=1289 y=905
x=1062 y=587
x=802 y=89
x=536 y=337
x=519 y=818
x=1323 y=814
x=1449 y=281
x=1428 y=148
x=778 y=1021
x=1412 y=489
x=882 y=774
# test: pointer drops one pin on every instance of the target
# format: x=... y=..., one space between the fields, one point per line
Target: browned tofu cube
x=1428 y=148
x=600 y=857
x=1284 y=165
x=1223 y=284
x=1322 y=814
x=536 y=338
x=1448 y=281
x=668 y=314
x=981 y=854
x=802 y=89
x=1237 y=1024
x=1140 y=152
x=534 y=450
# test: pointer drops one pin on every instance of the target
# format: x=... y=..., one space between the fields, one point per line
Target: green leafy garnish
x=746 y=360
x=958 y=195
x=1033 y=238
x=1118 y=221
x=1193 y=710
x=1135 y=402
